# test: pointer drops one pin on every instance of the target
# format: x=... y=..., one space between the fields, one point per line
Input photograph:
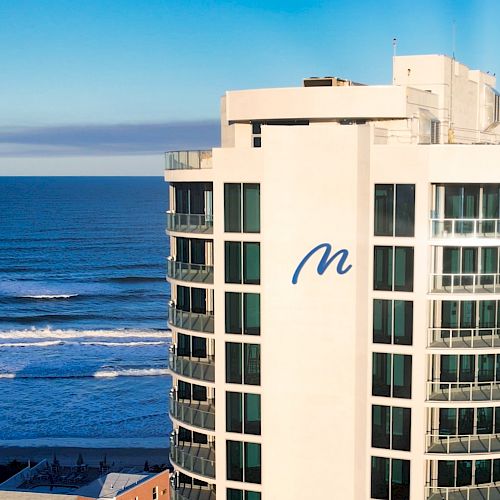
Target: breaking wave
x=62 y=334
x=105 y=373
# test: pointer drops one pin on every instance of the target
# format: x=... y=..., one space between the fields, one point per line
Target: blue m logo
x=326 y=260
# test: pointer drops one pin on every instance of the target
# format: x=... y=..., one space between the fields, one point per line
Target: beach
x=92 y=456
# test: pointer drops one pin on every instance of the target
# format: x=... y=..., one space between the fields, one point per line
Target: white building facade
x=335 y=279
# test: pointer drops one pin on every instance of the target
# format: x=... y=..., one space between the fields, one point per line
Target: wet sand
x=92 y=456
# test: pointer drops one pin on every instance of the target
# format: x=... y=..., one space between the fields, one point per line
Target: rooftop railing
x=194 y=458
x=463 y=391
x=187 y=160
x=465 y=228
x=190 y=223
x=460 y=338
x=188 y=320
x=465 y=283
x=188 y=493
x=197 y=369
x=186 y=271
x=469 y=443
x=195 y=414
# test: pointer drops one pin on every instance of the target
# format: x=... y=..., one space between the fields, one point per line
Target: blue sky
x=108 y=78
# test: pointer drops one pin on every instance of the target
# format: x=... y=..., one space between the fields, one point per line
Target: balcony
x=195 y=413
x=200 y=370
x=475 y=492
x=188 y=160
x=188 y=320
x=191 y=493
x=185 y=271
x=197 y=459
x=471 y=443
x=190 y=223
x=463 y=391
x=465 y=283
x=463 y=338
x=465 y=228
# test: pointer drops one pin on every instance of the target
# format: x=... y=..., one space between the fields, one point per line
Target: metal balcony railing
x=463 y=337
x=197 y=369
x=188 y=160
x=188 y=320
x=463 y=391
x=465 y=228
x=194 y=458
x=464 y=283
x=191 y=493
x=185 y=271
x=190 y=223
x=470 y=443
x=197 y=414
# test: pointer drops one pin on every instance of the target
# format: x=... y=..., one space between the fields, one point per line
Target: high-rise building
x=335 y=287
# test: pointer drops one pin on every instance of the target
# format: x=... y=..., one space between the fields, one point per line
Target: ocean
x=83 y=312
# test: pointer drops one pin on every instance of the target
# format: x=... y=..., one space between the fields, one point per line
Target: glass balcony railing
x=188 y=160
x=461 y=338
x=469 y=443
x=197 y=414
x=185 y=271
x=191 y=493
x=188 y=320
x=465 y=283
x=465 y=228
x=190 y=223
x=463 y=391
x=473 y=492
x=198 y=369
x=197 y=459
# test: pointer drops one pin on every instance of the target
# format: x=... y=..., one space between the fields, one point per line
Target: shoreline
x=68 y=455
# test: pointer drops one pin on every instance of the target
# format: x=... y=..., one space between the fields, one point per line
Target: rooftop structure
x=335 y=277
x=53 y=481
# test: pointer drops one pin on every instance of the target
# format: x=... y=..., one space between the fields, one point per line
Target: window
x=392 y=322
x=390 y=208
x=468 y=367
x=391 y=375
x=393 y=268
x=191 y=391
x=467 y=421
x=391 y=427
x=243 y=413
x=240 y=213
x=242 y=363
x=155 y=493
x=256 y=137
x=243 y=461
x=435 y=131
x=191 y=346
x=244 y=307
x=390 y=479
x=249 y=273
x=233 y=494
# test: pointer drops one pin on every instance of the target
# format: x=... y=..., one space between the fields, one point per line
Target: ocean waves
x=104 y=373
x=127 y=334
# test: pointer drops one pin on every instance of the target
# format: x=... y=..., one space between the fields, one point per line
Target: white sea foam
x=7 y=375
x=60 y=296
x=123 y=344
x=46 y=343
x=50 y=333
x=137 y=372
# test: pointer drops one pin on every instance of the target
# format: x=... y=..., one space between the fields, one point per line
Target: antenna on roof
x=394 y=48
x=454 y=37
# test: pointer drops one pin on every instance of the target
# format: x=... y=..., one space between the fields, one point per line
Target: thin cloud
x=117 y=139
